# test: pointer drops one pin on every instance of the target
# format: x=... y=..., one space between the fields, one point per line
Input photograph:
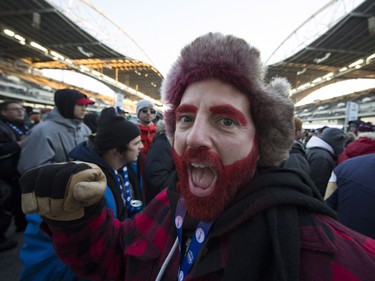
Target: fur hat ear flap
x=273 y=114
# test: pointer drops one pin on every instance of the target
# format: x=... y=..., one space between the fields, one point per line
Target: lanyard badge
x=196 y=243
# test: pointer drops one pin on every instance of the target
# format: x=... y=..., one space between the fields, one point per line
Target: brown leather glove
x=61 y=191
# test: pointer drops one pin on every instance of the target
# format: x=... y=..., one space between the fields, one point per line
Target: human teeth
x=198 y=165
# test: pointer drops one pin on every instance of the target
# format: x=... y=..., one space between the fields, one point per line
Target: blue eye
x=227 y=122
x=185 y=119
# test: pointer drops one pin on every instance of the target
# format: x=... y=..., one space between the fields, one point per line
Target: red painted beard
x=230 y=178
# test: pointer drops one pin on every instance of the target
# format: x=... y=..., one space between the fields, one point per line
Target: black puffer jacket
x=159 y=170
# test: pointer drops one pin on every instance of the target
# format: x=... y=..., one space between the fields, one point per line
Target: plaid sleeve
x=103 y=248
x=84 y=247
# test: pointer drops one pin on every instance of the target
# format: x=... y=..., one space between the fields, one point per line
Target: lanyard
x=196 y=242
x=20 y=134
x=132 y=205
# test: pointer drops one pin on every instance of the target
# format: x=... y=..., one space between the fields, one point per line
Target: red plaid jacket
x=105 y=249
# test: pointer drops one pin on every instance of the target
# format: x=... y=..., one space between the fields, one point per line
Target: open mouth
x=202 y=179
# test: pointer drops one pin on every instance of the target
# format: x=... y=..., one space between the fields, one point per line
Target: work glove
x=61 y=192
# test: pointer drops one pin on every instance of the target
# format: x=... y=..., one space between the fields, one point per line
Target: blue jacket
x=37 y=253
x=354 y=198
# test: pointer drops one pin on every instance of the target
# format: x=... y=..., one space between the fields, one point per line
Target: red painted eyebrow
x=230 y=111
x=186 y=108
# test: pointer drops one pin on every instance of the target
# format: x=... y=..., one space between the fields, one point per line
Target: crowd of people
x=223 y=185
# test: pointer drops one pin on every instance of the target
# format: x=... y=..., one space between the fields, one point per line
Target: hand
x=62 y=191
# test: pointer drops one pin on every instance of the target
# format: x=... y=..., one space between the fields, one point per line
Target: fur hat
x=232 y=60
x=114 y=130
x=335 y=138
x=66 y=99
x=144 y=103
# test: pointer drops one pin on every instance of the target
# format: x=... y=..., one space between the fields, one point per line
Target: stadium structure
x=42 y=34
x=337 y=43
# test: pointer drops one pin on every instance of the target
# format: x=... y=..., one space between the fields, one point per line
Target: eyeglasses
x=16 y=109
x=145 y=110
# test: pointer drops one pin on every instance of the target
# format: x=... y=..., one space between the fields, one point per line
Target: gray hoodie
x=51 y=141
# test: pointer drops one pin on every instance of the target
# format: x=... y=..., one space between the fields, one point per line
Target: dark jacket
x=297 y=158
x=322 y=161
x=85 y=152
x=276 y=228
x=159 y=170
x=354 y=198
x=9 y=148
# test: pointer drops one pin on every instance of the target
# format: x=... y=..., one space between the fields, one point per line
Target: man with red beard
x=233 y=214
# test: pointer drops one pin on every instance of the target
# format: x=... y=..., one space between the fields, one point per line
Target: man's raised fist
x=61 y=191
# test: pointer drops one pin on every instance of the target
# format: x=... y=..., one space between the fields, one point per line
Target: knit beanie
x=66 y=99
x=114 y=130
x=232 y=60
x=335 y=138
x=144 y=103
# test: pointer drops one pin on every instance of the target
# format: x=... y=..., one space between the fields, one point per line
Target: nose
x=199 y=134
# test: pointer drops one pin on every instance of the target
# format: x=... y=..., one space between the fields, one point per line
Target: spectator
x=5 y=217
x=115 y=145
x=307 y=136
x=146 y=113
x=353 y=126
x=160 y=171
x=321 y=130
x=322 y=153
x=61 y=130
x=120 y=111
x=91 y=121
x=297 y=155
x=364 y=144
x=351 y=192
x=235 y=214
x=35 y=118
x=350 y=137
x=44 y=112
x=159 y=116
x=13 y=131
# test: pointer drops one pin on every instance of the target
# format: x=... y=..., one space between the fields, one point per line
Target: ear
x=115 y=151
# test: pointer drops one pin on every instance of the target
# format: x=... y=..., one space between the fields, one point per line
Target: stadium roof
x=345 y=51
x=37 y=33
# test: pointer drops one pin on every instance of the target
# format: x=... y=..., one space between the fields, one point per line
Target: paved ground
x=10 y=264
